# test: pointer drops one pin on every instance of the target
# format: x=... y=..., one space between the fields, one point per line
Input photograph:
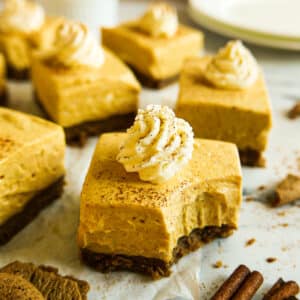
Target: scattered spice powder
x=270 y=260
x=250 y=242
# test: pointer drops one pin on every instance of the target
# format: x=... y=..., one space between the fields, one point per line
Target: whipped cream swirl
x=74 y=46
x=233 y=67
x=161 y=20
x=21 y=16
x=158 y=144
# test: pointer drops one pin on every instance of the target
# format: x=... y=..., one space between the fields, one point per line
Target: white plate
x=269 y=23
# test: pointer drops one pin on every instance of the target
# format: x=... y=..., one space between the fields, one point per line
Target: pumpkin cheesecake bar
x=31 y=169
x=154 y=194
x=20 y=21
x=225 y=98
x=155 y=45
x=83 y=87
x=3 y=93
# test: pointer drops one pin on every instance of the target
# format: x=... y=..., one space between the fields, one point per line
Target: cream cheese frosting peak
x=23 y=16
x=74 y=46
x=160 y=20
x=233 y=67
x=158 y=144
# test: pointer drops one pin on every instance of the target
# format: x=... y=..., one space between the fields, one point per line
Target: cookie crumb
x=294 y=112
x=271 y=260
x=261 y=188
x=218 y=264
x=249 y=198
x=287 y=191
x=250 y=242
x=281 y=213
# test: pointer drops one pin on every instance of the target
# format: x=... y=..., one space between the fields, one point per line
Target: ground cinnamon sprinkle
x=271 y=260
x=250 y=242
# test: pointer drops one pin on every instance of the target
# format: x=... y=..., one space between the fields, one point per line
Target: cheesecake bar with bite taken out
x=155 y=193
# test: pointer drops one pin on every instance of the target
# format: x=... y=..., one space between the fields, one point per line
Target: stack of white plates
x=273 y=23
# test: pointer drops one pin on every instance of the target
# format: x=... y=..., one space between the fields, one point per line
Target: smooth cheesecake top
x=108 y=181
x=196 y=89
x=19 y=129
x=112 y=69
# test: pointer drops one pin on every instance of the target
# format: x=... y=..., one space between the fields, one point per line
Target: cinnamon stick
x=274 y=288
x=249 y=287
x=232 y=284
x=286 y=290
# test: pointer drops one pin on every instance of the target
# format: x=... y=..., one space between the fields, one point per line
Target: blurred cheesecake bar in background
x=20 y=21
x=3 y=91
x=225 y=98
x=31 y=169
x=82 y=86
x=155 y=45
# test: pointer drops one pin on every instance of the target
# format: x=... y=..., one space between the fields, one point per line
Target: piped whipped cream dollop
x=233 y=67
x=158 y=144
x=160 y=20
x=21 y=16
x=74 y=46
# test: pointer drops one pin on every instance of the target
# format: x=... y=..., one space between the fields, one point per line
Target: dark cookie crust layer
x=19 y=75
x=17 y=222
x=152 y=83
x=49 y=282
x=252 y=158
x=3 y=98
x=77 y=135
x=154 y=267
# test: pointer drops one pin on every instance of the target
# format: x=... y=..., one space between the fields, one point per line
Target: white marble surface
x=51 y=238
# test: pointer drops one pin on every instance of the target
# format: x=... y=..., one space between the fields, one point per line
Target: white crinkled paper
x=51 y=238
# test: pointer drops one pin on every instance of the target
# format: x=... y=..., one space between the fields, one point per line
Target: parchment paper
x=51 y=238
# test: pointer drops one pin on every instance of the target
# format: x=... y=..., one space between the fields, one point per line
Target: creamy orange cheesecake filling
x=122 y=214
x=225 y=98
x=78 y=81
x=31 y=159
x=155 y=44
x=20 y=20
